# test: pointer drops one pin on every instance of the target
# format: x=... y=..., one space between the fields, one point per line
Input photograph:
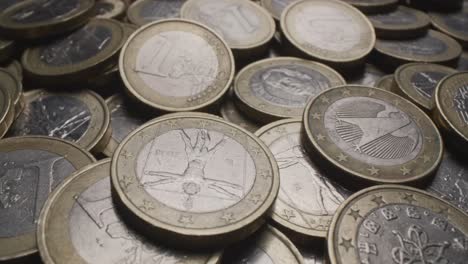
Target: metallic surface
x=368 y=77
x=230 y=113
x=142 y=12
x=109 y=9
x=454 y=24
x=386 y=82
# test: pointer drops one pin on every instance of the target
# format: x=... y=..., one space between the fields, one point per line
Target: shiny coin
x=277 y=88
x=16 y=69
x=454 y=24
x=267 y=246
x=374 y=6
x=396 y=224
x=31 y=167
x=122 y=120
x=230 y=113
x=38 y=19
x=372 y=135
x=328 y=30
x=463 y=62
x=15 y=90
x=276 y=7
x=386 y=82
x=176 y=65
x=402 y=23
x=417 y=82
x=142 y=12
x=79 y=224
x=6 y=110
x=81 y=117
x=79 y=55
x=194 y=180
x=369 y=76
x=109 y=9
x=307 y=199
x=7 y=48
x=434 y=47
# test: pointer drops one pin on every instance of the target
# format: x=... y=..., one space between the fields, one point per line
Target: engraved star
x=261 y=106
x=355 y=214
x=126 y=154
x=265 y=174
x=444 y=211
x=378 y=200
x=126 y=181
x=405 y=170
x=373 y=170
x=255 y=199
x=371 y=92
x=281 y=130
x=342 y=157
x=320 y=137
x=228 y=217
x=288 y=214
x=426 y=159
x=346 y=243
x=172 y=123
x=346 y=92
x=203 y=124
x=325 y=99
x=186 y=219
x=255 y=151
x=396 y=102
x=409 y=198
x=147 y=205
x=233 y=132
x=429 y=139
x=316 y=116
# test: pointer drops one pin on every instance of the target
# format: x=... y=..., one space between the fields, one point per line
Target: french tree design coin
x=176 y=65
x=79 y=224
x=109 y=9
x=307 y=198
x=230 y=113
x=372 y=135
x=276 y=7
x=194 y=180
x=386 y=82
x=80 y=117
x=142 y=12
x=368 y=77
x=417 y=82
x=15 y=90
x=374 y=6
x=454 y=24
x=328 y=30
x=396 y=224
x=31 y=167
x=6 y=110
x=273 y=89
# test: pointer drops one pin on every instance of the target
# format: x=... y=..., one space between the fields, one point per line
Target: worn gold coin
x=374 y=6
x=7 y=48
x=276 y=7
x=142 y=12
x=386 y=82
x=454 y=24
x=194 y=180
x=372 y=135
x=396 y=224
x=230 y=113
x=6 y=110
x=109 y=9
x=31 y=168
x=176 y=65
x=15 y=90
x=79 y=224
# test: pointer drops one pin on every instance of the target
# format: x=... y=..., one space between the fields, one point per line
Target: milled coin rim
x=437 y=20
x=422 y=21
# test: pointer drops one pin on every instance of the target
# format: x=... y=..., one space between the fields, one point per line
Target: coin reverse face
x=142 y=12
x=396 y=224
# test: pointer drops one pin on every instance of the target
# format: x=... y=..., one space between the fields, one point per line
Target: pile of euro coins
x=234 y=131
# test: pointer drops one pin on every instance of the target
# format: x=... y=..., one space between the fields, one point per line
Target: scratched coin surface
x=79 y=224
x=15 y=90
x=43 y=18
x=230 y=113
x=31 y=167
x=267 y=246
x=454 y=24
x=368 y=76
x=395 y=224
x=77 y=55
x=81 y=117
x=374 y=6
x=176 y=65
x=276 y=7
x=142 y=12
x=307 y=198
x=328 y=30
x=372 y=134
x=276 y=88
x=109 y=9
x=6 y=110
x=386 y=82
x=189 y=178
x=417 y=82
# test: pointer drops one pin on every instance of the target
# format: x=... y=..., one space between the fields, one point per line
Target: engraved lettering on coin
x=55 y=116
x=77 y=47
x=425 y=46
x=196 y=170
x=26 y=179
x=401 y=234
x=44 y=10
x=373 y=131
x=457 y=21
x=123 y=122
x=460 y=102
x=288 y=85
x=397 y=17
x=426 y=82
x=176 y=63
x=159 y=9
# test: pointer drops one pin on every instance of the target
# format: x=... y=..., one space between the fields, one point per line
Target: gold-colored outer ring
x=437 y=20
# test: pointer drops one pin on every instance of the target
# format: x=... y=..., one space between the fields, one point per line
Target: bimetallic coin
x=386 y=82
x=142 y=12
x=176 y=65
x=463 y=62
x=417 y=82
x=79 y=225
x=16 y=69
x=395 y=224
x=82 y=54
x=109 y=9
x=194 y=181
x=453 y=24
x=434 y=47
x=307 y=198
x=402 y=23
x=276 y=7
x=6 y=110
x=15 y=90
x=368 y=77
x=328 y=30
x=7 y=48
x=39 y=19
x=374 y=6
x=268 y=246
x=372 y=135
x=277 y=88
x=31 y=167
x=81 y=117
x=122 y=120
x=230 y=113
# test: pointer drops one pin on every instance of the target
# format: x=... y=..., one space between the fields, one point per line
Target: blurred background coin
x=454 y=24
x=109 y=9
x=142 y=12
x=386 y=82
x=373 y=6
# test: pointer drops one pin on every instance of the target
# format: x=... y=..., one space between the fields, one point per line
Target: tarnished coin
x=194 y=181
x=6 y=110
x=307 y=198
x=15 y=90
x=4 y=4
x=145 y=11
x=417 y=82
x=367 y=77
x=277 y=88
x=230 y=113
x=276 y=7
x=267 y=246
x=176 y=65
x=434 y=47
x=374 y=6
x=7 y=48
x=122 y=120
x=402 y=23
x=43 y=18
x=79 y=224
x=81 y=117
x=386 y=82
x=109 y=9
x=372 y=135
x=246 y=27
x=31 y=167
x=82 y=54
x=16 y=69
x=396 y=224
x=463 y=62
x=328 y=30
x=453 y=24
